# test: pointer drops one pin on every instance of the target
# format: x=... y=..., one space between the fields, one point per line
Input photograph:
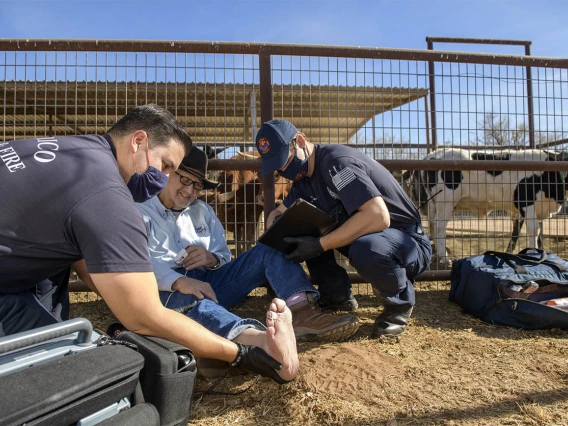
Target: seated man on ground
x=176 y=221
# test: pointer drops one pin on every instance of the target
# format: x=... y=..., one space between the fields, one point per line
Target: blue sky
x=381 y=23
x=377 y=23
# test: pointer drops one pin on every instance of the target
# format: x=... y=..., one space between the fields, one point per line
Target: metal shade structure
x=214 y=114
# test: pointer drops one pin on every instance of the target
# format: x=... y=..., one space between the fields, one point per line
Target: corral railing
x=376 y=99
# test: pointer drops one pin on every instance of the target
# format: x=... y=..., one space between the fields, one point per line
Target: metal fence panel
x=397 y=105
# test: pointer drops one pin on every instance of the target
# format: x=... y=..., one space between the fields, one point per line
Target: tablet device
x=299 y=220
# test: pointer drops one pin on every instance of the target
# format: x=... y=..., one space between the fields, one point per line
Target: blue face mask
x=148 y=184
x=297 y=168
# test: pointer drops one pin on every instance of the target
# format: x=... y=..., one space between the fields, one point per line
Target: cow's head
x=233 y=180
x=558 y=156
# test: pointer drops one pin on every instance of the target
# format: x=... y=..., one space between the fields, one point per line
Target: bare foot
x=281 y=339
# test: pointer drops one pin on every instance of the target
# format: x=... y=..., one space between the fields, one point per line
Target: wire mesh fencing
x=476 y=140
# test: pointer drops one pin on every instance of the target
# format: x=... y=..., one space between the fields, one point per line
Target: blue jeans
x=233 y=282
x=210 y=315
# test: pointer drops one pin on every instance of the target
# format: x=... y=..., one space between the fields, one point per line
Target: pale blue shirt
x=196 y=225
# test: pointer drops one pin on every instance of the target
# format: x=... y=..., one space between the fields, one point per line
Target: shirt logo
x=263 y=146
x=201 y=230
x=11 y=158
x=342 y=178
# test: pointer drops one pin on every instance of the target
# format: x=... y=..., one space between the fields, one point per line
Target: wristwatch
x=217 y=265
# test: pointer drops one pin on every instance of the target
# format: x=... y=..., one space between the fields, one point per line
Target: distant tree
x=541 y=138
x=498 y=131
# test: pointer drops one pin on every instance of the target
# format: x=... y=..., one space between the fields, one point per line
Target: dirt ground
x=447 y=369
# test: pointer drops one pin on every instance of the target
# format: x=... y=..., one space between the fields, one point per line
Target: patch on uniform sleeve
x=342 y=178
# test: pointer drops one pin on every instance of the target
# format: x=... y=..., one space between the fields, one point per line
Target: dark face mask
x=297 y=168
x=148 y=184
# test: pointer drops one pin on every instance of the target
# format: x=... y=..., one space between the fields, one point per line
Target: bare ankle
x=252 y=337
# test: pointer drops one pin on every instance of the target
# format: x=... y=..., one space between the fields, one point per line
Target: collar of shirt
x=163 y=210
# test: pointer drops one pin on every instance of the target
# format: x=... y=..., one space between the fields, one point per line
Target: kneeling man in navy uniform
x=378 y=227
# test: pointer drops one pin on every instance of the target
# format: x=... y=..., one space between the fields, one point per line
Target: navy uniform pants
x=45 y=304
x=389 y=260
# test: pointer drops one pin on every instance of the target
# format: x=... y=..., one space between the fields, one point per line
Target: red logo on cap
x=263 y=146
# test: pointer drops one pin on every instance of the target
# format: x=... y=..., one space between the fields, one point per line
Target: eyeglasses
x=188 y=182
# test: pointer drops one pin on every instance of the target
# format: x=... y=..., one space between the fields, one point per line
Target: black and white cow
x=527 y=196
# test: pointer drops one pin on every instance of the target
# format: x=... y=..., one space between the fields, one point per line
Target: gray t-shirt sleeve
x=109 y=231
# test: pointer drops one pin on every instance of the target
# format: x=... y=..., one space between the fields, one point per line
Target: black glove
x=306 y=248
x=256 y=360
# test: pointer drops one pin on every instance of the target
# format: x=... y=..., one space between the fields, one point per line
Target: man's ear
x=300 y=141
x=138 y=140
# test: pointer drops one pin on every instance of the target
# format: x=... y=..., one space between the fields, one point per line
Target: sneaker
x=310 y=324
x=348 y=304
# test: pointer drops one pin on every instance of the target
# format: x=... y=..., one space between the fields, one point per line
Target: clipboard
x=299 y=220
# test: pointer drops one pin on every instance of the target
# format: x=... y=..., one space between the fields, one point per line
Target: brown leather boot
x=310 y=324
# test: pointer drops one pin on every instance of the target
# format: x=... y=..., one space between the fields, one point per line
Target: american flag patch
x=343 y=178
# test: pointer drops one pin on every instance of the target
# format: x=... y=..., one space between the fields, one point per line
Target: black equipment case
x=57 y=375
x=168 y=377
x=140 y=414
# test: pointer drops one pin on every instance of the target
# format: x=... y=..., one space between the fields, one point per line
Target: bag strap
x=543 y=259
x=510 y=260
x=560 y=266
x=539 y=251
x=523 y=256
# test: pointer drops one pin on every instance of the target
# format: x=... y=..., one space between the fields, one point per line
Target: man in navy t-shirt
x=378 y=227
x=71 y=200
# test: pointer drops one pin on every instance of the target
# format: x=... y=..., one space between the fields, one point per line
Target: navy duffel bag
x=513 y=290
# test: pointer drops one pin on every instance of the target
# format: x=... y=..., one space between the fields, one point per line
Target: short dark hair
x=157 y=121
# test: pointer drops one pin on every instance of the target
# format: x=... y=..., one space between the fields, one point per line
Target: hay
x=447 y=369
